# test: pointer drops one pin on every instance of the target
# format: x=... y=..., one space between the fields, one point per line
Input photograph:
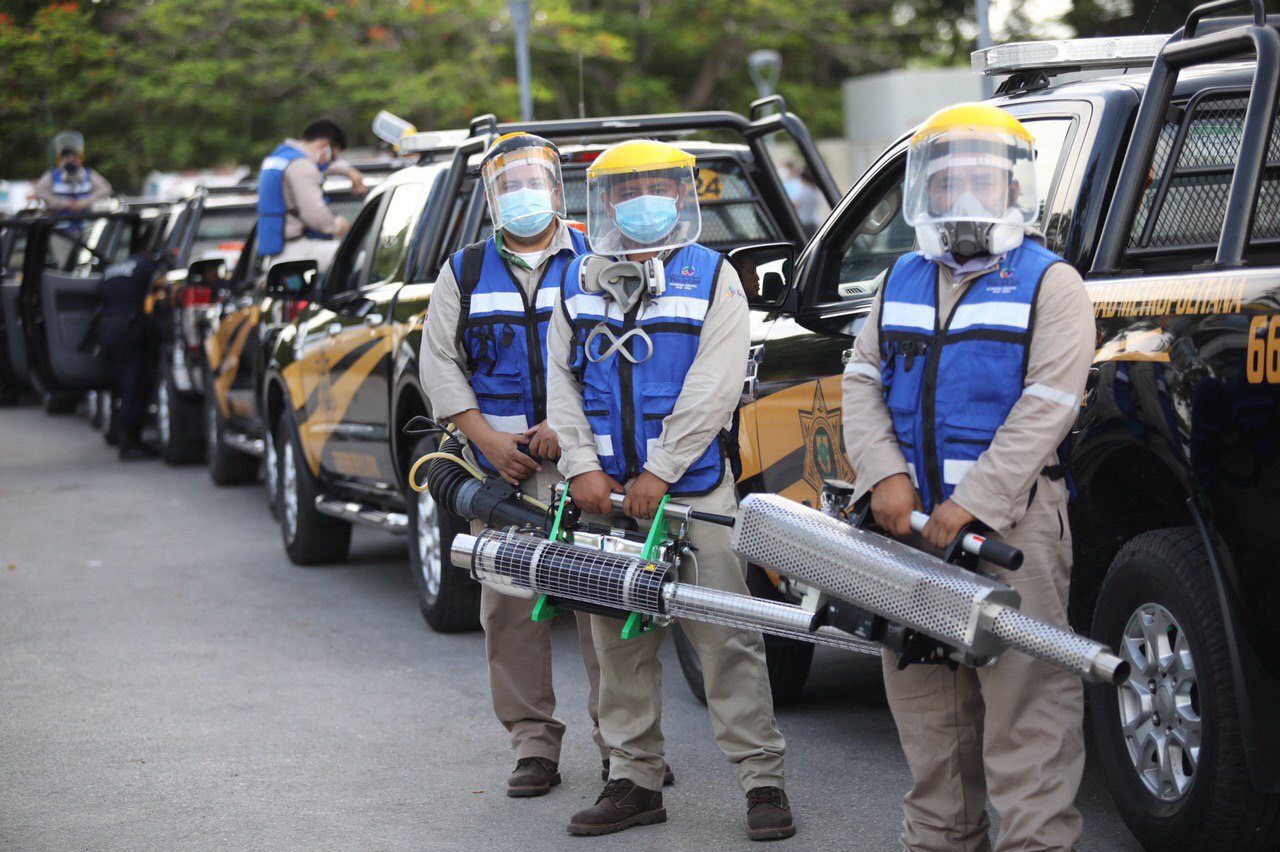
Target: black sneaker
x=137 y=452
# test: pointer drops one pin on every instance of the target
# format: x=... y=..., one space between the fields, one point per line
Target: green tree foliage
x=1128 y=17
x=174 y=84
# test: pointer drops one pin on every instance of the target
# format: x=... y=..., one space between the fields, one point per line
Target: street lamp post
x=984 y=40
x=521 y=18
x=765 y=67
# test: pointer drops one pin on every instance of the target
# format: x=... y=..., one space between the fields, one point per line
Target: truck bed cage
x=1184 y=50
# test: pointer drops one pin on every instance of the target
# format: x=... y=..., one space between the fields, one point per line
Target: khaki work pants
x=733 y=671
x=1011 y=731
x=519 y=653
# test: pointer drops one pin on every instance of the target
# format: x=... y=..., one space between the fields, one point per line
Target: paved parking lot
x=169 y=681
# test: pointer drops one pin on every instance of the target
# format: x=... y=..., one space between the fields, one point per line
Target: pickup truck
x=235 y=337
x=1163 y=190
x=343 y=381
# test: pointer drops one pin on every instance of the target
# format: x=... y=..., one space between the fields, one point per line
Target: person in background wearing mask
x=648 y=352
x=71 y=187
x=294 y=219
x=963 y=385
x=484 y=369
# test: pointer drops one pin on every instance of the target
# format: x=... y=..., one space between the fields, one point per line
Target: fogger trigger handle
x=975 y=544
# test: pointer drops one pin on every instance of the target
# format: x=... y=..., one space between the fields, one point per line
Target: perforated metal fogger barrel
x=516 y=561
x=525 y=565
x=968 y=611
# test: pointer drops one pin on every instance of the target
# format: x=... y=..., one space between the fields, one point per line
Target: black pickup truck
x=1163 y=189
x=235 y=336
x=343 y=381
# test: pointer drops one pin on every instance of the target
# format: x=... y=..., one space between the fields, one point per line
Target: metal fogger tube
x=524 y=565
x=970 y=612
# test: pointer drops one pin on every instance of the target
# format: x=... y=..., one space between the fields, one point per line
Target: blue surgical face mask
x=526 y=212
x=647 y=218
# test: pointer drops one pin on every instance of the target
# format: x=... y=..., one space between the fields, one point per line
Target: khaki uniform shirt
x=997 y=488
x=442 y=365
x=303 y=185
x=710 y=393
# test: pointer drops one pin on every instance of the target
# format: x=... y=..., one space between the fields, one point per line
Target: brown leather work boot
x=769 y=814
x=533 y=776
x=621 y=805
x=668 y=777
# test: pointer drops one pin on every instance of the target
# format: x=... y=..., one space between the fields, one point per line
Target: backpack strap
x=468 y=278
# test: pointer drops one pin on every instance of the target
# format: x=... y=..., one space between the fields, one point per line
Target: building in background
x=878 y=108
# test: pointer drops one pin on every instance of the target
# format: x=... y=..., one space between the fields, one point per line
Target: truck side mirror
x=767 y=271
x=209 y=272
x=291 y=279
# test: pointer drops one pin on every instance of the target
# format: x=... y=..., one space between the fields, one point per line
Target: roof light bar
x=438 y=140
x=1118 y=52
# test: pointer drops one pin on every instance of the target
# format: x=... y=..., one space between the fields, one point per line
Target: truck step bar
x=255 y=447
x=358 y=513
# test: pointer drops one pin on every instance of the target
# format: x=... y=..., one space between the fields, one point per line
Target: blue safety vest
x=72 y=189
x=271 y=203
x=626 y=403
x=950 y=384
x=505 y=337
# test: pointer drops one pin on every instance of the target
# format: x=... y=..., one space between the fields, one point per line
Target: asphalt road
x=169 y=681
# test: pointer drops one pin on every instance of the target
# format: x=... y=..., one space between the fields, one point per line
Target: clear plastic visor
x=531 y=177
x=971 y=178
x=631 y=211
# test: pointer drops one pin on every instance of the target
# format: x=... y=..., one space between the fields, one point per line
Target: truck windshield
x=732 y=212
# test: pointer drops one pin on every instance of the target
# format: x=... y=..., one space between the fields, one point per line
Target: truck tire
x=227 y=466
x=788 y=659
x=109 y=412
x=310 y=538
x=1179 y=779
x=177 y=423
x=448 y=597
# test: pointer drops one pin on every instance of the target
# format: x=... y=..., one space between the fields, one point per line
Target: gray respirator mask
x=625 y=283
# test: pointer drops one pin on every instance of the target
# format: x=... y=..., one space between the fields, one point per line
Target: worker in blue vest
x=71 y=187
x=648 y=353
x=294 y=219
x=963 y=383
x=484 y=368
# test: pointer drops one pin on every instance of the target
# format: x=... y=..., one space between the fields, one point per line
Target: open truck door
x=60 y=297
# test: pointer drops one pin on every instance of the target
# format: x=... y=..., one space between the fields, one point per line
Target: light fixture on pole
x=765 y=67
x=521 y=18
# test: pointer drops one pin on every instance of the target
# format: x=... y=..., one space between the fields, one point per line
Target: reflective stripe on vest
x=626 y=403
x=506 y=339
x=950 y=383
x=271 y=204
x=72 y=190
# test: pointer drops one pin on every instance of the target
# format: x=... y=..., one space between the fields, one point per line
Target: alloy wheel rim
x=211 y=429
x=273 y=469
x=289 y=491
x=1160 y=706
x=428 y=535
x=163 y=416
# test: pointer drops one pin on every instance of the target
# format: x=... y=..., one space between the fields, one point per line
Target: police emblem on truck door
x=824 y=456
